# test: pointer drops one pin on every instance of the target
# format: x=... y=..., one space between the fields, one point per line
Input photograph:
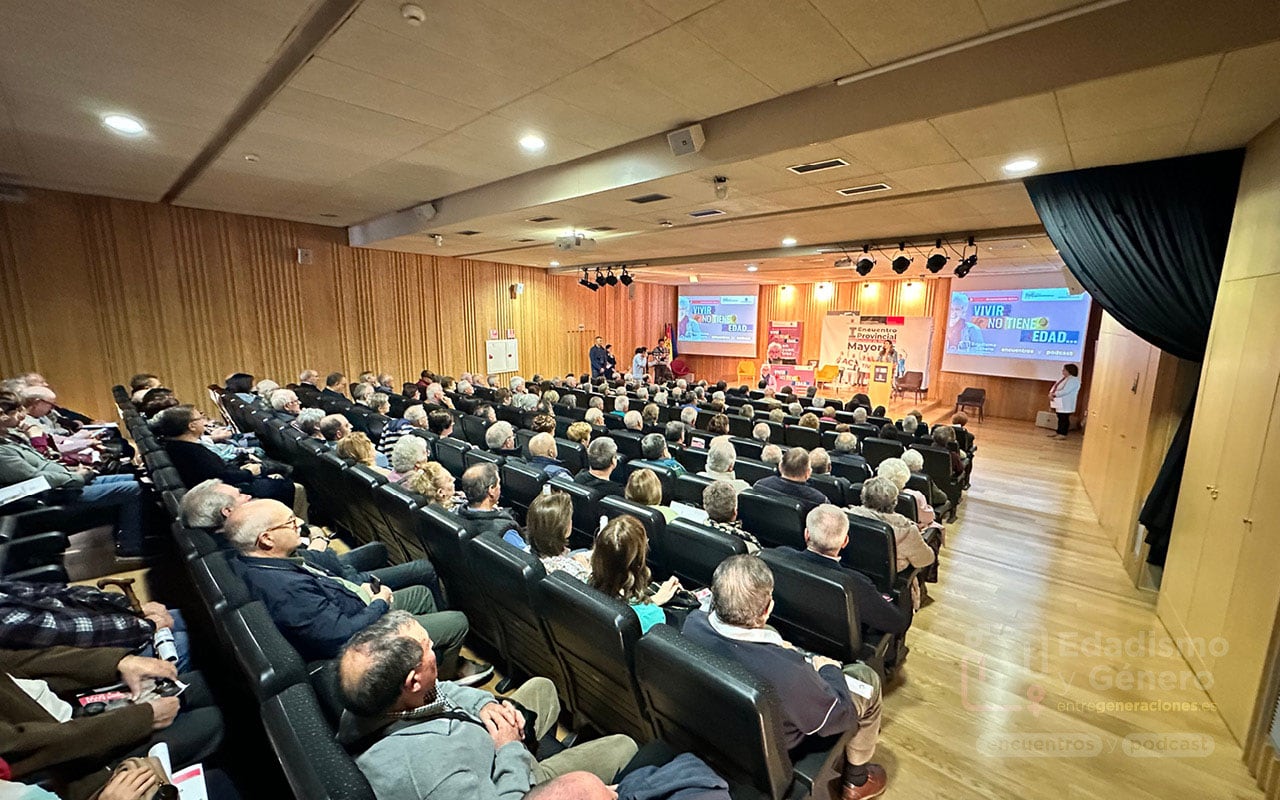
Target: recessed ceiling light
x=252 y=158
x=122 y=124
x=752 y=268
x=555 y=263
x=329 y=216
x=1021 y=165
x=790 y=241
x=532 y=143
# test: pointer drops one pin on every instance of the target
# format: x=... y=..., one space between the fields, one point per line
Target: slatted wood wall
x=96 y=289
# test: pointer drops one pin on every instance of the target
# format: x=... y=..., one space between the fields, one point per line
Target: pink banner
x=785 y=340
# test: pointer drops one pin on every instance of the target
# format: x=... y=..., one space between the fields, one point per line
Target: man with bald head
x=419 y=738
x=545 y=454
x=317 y=610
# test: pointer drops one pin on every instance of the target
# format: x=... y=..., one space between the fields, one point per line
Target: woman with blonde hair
x=358 y=447
x=433 y=482
x=645 y=489
x=618 y=569
x=580 y=432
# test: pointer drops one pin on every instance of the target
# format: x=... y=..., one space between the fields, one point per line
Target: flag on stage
x=671 y=340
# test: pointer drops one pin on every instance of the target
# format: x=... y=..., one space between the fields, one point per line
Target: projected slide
x=1037 y=324
x=723 y=323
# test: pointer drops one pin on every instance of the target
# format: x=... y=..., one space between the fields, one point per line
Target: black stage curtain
x=1147 y=241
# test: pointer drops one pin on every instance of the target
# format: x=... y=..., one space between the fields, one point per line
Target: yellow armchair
x=747 y=372
x=826 y=374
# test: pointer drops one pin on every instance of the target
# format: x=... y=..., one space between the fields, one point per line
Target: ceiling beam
x=322 y=19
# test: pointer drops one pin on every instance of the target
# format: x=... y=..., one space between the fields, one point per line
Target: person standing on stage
x=599 y=357
x=1062 y=398
x=660 y=358
x=639 y=363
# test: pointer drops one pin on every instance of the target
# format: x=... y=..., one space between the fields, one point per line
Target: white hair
x=464 y=386
x=896 y=470
x=433 y=393
x=859 y=415
x=516 y=383
x=415 y=414
x=498 y=434
x=721 y=456
x=281 y=398
x=407 y=453
x=621 y=403
x=593 y=416
x=827 y=528
x=760 y=432
x=914 y=460
x=846 y=442
x=909 y=424
x=633 y=420
x=265 y=387
x=689 y=415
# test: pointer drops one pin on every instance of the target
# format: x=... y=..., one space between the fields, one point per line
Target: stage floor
x=1004 y=694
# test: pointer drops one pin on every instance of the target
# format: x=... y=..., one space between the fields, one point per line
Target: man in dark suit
x=333 y=386
x=307 y=390
x=793 y=480
x=602 y=459
x=826 y=533
x=845 y=460
x=599 y=358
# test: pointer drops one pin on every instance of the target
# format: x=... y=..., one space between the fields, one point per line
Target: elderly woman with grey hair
x=721 y=458
x=896 y=470
x=879 y=499
x=720 y=501
x=937 y=498
x=408 y=454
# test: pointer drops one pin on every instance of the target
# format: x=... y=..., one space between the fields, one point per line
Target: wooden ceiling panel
x=884 y=32
x=789 y=46
x=913 y=144
x=1127 y=148
x=355 y=87
x=1005 y=13
x=1023 y=124
x=696 y=75
x=312 y=117
x=579 y=26
x=542 y=113
x=1135 y=101
x=933 y=176
x=1052 y=158
x=676 y=10
x=371 y=49
x=647 y=106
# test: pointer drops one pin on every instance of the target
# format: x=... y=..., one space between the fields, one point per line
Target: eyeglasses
x=291 y=522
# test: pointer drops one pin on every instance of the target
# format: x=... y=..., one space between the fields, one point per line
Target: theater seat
x=800 y=436
x=875 y=450
x=694 y=459
x=752 y=471
x=718 y=710
x=521 y=485
x=315 y=765
x=666 y=476
x=586 y=514
x=473 y=429
x=510 y=577
x=776 y=521
x=689 y=488
x=448 y=452
x=268 y=663
x=815 y=609
x=872 y=550
x=834 y=487
x=595 y=638
x=655 y=525
x=694 y=550
x=400 y=524
x=444 y=537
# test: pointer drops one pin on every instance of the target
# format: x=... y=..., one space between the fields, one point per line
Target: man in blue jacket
x=599 y=358
x=820 y=698
x=318 y=611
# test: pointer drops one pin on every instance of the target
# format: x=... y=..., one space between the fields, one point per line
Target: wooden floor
x=1029 y=669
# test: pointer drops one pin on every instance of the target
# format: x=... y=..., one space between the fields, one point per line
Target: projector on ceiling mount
x=575 y=242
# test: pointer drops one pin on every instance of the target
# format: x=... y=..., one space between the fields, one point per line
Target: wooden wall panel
x=97 y=289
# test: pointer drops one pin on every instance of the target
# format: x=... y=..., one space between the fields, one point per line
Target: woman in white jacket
x=1062 y=398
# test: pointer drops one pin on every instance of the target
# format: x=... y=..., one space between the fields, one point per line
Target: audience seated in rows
x=547 y=527
x=602 y=460
x=792 y=480
x=880 y=501
x=720 y=501
x=482 y=486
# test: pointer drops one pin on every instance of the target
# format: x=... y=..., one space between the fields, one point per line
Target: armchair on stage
x=972 y=398
x=747 y=373
x=911 y=382
x=826 y=375
x=680 y=369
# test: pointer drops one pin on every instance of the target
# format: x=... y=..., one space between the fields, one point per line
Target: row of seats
x=590 y=645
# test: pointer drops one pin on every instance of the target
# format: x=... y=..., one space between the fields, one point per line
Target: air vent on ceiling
x=525 y=241
x=868 y=189
x=706 y=212
x=818 y=166
x=467 y=233
x=543 y=218
x=648 y=198
x=601 y=229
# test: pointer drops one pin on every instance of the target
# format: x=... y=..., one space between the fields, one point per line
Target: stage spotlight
x=901 y=262
x=601 y=280
x=936 y=260
x=626 y=278
x=865 y=263
x=967 y=263
x=587 y=283
x=611 y=279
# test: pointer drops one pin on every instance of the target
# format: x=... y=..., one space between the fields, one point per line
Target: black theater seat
x=315 y=765
x=775 y=520
x=269 y=663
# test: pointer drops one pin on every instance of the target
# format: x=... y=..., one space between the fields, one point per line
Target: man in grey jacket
x=416 y=738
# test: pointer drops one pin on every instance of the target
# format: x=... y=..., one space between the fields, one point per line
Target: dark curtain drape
x=1147 y=241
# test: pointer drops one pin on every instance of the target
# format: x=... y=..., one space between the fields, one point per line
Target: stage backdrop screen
x=717 y=322
x=1019 y=333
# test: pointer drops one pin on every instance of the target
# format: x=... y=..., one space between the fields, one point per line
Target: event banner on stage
x=852 y=342
x=785 y=340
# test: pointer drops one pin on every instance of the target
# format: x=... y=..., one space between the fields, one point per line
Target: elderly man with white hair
x=761 y=431
x=285 y=405
x=40 y=404
x=860 y=416
x=517 y=385
x=621 y=405
x=721 y=459
x=408 y=454
x=500 y=438
x=720 y=501
x=845 y=453
x=434 y=395
x=544 y=455
x=633 y=421
x=819 y=696
x=593 y=416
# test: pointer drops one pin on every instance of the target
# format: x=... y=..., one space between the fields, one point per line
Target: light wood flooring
x=1004 y=694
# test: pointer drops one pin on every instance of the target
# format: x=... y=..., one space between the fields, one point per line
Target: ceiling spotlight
x=721 y=184
x=1021 y=165
x=532 y=143
x=937 y=260
x=439 y=240
x=664 y=223
x=901 y=262
x=626 y=278
x=600 y=279
x=752 y=268
x=252 y=158
x=865 y=261
x=611 y=279
x=967 y=263
x=790 y=241
x=555 y=263
x=587 y=283
x=127 y=126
